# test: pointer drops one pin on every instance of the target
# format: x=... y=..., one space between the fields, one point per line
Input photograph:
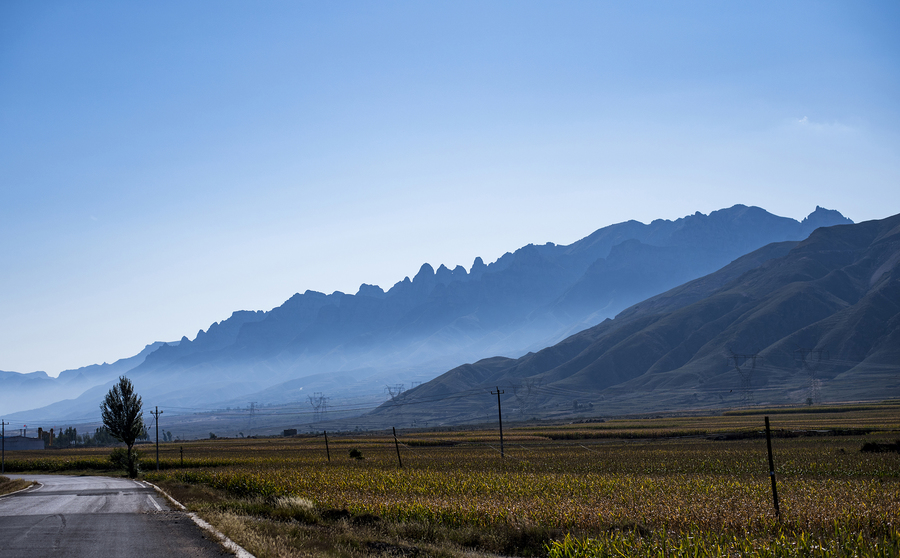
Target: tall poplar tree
x=123 y=417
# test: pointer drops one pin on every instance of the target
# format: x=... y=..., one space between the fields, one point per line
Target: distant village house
x=17 y=443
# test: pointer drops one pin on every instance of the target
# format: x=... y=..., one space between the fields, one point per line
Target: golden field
x=666 y=486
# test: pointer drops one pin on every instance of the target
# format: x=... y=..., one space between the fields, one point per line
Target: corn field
x=687 y=496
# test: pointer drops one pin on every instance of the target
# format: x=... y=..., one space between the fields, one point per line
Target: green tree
x=123 y=418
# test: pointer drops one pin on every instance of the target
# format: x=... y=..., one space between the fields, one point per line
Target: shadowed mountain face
x=351 y=346
x=793 y=322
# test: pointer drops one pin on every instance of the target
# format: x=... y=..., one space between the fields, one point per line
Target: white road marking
x=152 y=501
x=166 y=495
x=239 y=552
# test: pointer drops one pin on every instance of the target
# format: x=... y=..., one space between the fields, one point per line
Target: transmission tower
x=252 y=410
x=810 y=361
x=394 y=391
x=316 y=405
x=740 y=364
x=524 y=394
x=319 y=403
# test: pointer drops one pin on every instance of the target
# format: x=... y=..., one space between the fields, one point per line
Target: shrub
x=294 y=507
x=875 y=447
x=119 y=459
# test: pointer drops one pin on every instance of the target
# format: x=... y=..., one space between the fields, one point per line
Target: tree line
x=101 y=437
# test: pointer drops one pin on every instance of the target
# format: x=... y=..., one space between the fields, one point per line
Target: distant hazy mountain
x=792 y=322
x=27 y=391
x=350 y=346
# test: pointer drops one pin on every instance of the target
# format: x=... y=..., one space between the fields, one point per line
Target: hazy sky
x=163 y=164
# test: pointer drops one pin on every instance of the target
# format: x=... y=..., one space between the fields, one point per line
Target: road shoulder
x=232 y=546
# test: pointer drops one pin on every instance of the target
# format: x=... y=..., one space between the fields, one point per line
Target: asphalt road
x=96 y=517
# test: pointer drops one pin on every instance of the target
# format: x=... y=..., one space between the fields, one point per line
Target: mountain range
x=790 y=323
x=352 y=346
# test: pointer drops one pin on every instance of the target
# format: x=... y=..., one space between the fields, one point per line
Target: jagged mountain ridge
x=823 y=316
x=423 y=326
x=525 y=286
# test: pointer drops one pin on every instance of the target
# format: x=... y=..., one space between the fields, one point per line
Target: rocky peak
x=373 y=291
x=822 y=217
x=426 y=273
x=478 y=268
x=443 y=275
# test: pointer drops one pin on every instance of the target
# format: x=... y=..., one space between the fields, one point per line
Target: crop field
x=683 y=486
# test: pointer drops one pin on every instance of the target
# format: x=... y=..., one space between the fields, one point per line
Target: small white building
x=16 y=443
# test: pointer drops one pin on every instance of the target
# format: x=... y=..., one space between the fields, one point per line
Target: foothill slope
x=790 y=323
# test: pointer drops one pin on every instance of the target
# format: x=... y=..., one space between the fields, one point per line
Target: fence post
x=397 y=446
x=327 y=451
x=772 y=469
x=498 y=393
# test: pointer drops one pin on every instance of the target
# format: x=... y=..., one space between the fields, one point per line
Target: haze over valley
x=357 y=350
x=362 y=215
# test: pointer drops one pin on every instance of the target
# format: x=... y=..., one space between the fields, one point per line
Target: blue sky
x=164 y=164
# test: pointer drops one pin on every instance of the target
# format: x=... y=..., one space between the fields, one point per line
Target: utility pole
x=500 y=417
x=3 y=446
x=252 y=408
x=156 y=414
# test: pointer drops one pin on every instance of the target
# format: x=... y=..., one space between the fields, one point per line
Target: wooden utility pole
x=772 y=469
x=3 y=447
x=156 y=414
x=397 y=446
x=500 y=417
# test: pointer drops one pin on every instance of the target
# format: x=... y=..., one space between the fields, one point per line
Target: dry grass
x=291 y=526
x=8 y=485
